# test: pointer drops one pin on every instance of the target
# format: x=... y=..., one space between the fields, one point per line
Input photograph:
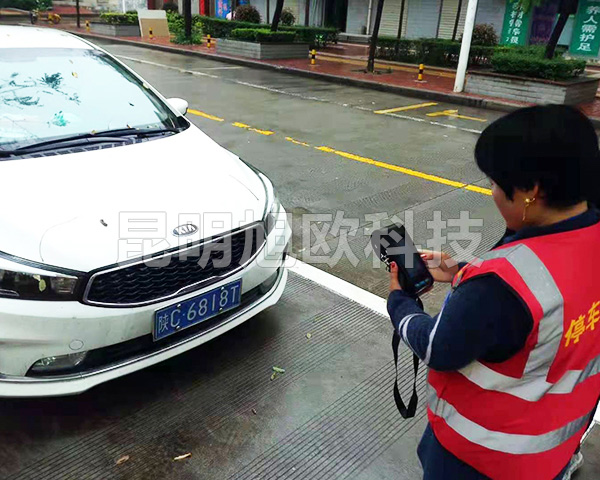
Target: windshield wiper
x=116 y=135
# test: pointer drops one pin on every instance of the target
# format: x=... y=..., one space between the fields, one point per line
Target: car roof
x=14 y=36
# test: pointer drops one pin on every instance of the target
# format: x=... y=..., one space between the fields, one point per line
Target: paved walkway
x=346 y=63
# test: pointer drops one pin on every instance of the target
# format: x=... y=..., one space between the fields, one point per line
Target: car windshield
x=50 y=93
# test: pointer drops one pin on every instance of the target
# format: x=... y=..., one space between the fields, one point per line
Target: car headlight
x=30 y=283
x=271 y=217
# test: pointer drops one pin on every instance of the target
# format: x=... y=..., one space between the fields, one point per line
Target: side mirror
x=178 y=104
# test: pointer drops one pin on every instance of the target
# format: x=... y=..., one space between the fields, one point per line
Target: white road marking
x=339 y=286
x=290 y=94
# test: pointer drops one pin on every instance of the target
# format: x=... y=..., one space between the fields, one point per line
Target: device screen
x=394 y=245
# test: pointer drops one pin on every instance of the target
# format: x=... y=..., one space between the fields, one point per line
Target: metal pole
x=465 y=47
x=455 y=31
x=306 y=12
x=369 y=17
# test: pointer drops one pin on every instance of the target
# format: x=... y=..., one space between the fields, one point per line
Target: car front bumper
x=32 y=330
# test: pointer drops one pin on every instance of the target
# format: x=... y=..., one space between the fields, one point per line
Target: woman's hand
x=441 y=265
x=394 y=282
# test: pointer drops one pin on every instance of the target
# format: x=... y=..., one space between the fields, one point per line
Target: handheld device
x=393 y=244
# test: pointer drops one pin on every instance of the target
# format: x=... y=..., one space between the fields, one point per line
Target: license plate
x=172 y=319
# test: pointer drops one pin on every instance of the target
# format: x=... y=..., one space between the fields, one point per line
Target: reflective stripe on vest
x=503 y=442
x=532 y=386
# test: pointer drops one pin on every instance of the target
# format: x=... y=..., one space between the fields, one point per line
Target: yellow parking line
x=406 y=171
x=240 y=125
x=296 y=142
x=262 y=132
x=205 y=115
x=409 y=107
x=454 y=114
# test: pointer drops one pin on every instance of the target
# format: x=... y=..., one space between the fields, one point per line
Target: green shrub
x=261 y=35
x=484 y=34
x=170 y=7
x=119 y=18
x=316 y=37
x=434 y=52
x=220 y=28
x=536 y=66
x=247 y=13
x=287 y=17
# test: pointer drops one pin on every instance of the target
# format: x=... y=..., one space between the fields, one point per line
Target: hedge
x=434 y=52
x=119 y=18
x=262 y=35
x=219 y=28
x=536 y=66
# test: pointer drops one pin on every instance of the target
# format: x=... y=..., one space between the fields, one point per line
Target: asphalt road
x=333 y=152
x=340 y=152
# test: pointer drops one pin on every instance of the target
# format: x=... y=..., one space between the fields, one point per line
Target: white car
x=127 y=236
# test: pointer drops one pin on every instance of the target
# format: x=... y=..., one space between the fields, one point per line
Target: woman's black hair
x=553 y=146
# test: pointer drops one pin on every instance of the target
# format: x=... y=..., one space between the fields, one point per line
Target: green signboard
x=516 y=24
x=586 y=40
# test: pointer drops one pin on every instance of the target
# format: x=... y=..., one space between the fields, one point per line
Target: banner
x=516 y=24
x=544 y=18
x=223 y=8
x=585 y=40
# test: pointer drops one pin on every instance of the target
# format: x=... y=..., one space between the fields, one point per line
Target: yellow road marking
x=290 y=139
x=262 y=132
x=370 y=161
x=454 y=114
x=205 y=115
x=402 y=109
x=406 y=171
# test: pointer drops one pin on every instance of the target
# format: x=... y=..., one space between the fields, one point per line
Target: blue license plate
x=179 y=316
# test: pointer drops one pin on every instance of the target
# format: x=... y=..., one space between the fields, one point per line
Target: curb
x=456 y=99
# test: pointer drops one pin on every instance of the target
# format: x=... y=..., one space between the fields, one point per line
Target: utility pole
x=187 y=18
x=465 y=47
x=306 y=12
x=374 y=36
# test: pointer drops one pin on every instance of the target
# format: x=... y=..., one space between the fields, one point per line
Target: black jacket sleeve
x=483 y=319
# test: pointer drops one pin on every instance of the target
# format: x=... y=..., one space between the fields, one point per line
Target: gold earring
x=528 y=201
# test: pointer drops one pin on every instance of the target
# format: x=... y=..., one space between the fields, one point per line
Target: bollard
x=208 y=41
x=87 y=25
x=421 y=69
x=313 y=55
x=151 y=34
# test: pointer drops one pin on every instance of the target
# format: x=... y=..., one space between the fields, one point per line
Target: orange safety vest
x=524 y=418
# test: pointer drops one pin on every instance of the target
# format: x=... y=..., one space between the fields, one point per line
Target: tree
x=374 y=37
x=565 y=8
x=277 y=15
x=456 y=20
x=400 y=22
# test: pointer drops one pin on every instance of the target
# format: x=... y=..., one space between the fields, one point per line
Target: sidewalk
x=345 y=63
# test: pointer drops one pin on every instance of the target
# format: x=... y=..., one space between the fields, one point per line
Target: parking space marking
x=291 y=94
x=252 y=129
x=337 y=285
x=454 y=114
x=198 y=113
x=408 y=107
x=406 y=171
x=297 y=142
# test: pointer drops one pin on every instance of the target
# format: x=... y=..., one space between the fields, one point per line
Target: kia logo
x=183 y=230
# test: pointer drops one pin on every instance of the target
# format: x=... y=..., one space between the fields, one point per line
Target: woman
x=514 y=355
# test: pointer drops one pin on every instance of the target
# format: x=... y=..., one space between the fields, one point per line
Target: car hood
x=91 y=209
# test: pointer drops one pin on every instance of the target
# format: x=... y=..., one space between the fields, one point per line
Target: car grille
x=174 y=273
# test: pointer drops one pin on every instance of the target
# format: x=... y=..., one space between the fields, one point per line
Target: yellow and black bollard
x=87 y=25
x=151 y=33
x=313 y=56
x=421 y=70
x=208 y=41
